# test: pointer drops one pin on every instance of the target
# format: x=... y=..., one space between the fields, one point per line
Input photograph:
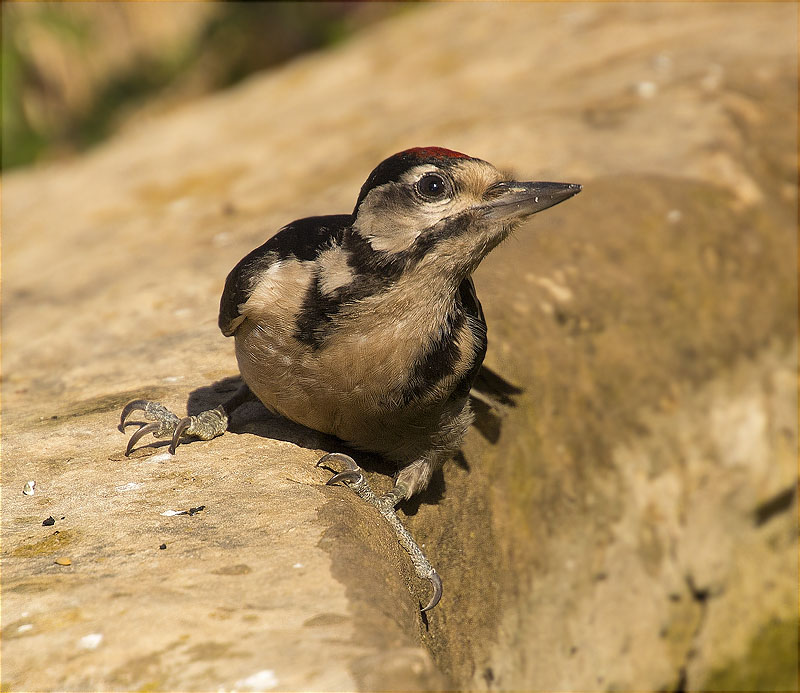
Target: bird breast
x=354 y=384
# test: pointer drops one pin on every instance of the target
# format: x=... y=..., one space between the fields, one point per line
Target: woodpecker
x=366 y=326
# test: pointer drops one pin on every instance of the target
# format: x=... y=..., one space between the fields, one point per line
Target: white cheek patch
x=391 y=226
x=387 y=227
x=392 y=223
x=392 y=242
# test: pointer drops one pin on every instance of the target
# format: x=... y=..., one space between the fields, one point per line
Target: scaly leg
x=404 y=487
x=206 y=425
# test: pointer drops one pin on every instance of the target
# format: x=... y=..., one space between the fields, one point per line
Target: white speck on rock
x=182 y=204
x=173 y=378
x=662 y=62
x=91 y=641
x=559 y=292
x=161 y=457
x=25 y=627
x=674 y=216
x=713 y=78
x=646 y=89
x=172 y=513
x=221 y=238
x=29 y=488
x=739 y=427
x=132 y=486
x=263 y=680
x=297 y=565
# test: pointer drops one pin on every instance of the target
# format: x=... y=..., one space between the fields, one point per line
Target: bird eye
x=431 y=186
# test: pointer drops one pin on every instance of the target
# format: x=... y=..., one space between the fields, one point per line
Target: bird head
x=430 y=204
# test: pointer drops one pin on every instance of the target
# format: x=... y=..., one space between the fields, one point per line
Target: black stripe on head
x=365 y=260
x=390 y=170
x=451 y=227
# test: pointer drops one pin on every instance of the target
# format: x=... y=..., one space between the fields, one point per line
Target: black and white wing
x=302 y=240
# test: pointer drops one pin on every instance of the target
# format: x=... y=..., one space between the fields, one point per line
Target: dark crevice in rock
x=359 y=545
x=776 y=505
x=681 y=685
x=701 y=595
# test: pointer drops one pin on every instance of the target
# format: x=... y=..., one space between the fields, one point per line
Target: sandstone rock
x=633 y=526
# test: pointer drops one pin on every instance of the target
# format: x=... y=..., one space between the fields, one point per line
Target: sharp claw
x=436 y=581
x=136 y=405
x=350 y=475
x=136 y=437
x=353 y=475
x=348 y=462
x=183 y=424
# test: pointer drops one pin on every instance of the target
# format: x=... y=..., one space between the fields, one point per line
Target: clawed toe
x=436 y=581
x=163 y=424
x=206 y=425
x=130 y=407
x=164 y=421
x=180 y=429
x=141 y=433
x=351 y=477
x=354 y=477
x=346 y=460
x=352 y=472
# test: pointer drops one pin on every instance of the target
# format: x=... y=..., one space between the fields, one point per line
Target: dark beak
x=514 y=200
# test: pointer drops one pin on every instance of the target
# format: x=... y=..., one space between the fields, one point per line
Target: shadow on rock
x=490 y=396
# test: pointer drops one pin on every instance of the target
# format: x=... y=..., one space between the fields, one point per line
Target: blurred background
x=75 y=72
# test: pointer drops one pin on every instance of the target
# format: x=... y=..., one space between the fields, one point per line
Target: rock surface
x=632 y=526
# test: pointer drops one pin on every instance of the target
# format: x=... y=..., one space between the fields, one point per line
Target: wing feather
x=303 y=239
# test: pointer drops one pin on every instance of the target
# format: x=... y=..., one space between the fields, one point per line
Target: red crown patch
x=433 y=153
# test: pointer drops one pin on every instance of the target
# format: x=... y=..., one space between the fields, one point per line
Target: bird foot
x=206 y=425
x=353 y=477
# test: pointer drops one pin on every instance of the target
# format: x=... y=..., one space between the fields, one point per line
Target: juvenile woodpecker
x=366 y=326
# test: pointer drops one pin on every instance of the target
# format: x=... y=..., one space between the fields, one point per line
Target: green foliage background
x=47 y=45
